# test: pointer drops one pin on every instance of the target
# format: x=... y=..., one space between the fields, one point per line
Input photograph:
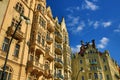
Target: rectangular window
x=80 y=61
x=105 y=68
x=16 y=51
x=96 y=75
x=39 y=38
x=104 y=60
x=107 y=77
x=5 y=44
x=82 y=77
x=31 y=57
x=42 y=22
x=43 y=42
x=101 y=76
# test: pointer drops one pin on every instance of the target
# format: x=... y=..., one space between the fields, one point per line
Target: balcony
x=48 y=55
x=58 y=37
x=48 y=73
x=49 y=40
x=33 y=66
x=58 y=63
x=19 y=35
x=50 y=27
x=93 y=63
x=58 y=49
x=58 y=77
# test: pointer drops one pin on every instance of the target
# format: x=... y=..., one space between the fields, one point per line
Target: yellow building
x=39 y=50
x=91 y=64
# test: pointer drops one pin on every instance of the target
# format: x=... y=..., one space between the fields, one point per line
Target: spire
x=93 y=43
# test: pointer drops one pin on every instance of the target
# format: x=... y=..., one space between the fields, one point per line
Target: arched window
x=19 y=7
x=8 y=73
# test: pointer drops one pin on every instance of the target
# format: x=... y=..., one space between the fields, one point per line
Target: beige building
x=91 y=64
x=39 y=50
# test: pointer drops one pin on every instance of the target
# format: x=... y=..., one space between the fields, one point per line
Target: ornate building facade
x=39 y=50
x=91 y=64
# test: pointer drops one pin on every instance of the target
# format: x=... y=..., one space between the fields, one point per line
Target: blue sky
x=91 y=19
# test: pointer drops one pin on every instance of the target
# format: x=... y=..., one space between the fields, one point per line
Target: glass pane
x=9 y=76
x=5 y=76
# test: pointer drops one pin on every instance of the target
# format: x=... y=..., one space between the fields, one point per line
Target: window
x=101 y=76
x=43 y=42
x=82 y=77
x=59 y=72
x=38 y=7
x=31 y=57
x=96 y=75
x=80 y=61
x=104 y=60
x=16 y=51
x=107 y=77
x=42 y=10
x=39 y=38
x=5 y=44
x=14 y=23
x=19 y=7
x=42 y=22
x=8 y=73
x=105 y=68
x=90 y=75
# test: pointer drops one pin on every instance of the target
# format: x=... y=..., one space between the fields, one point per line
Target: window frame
x=17 y=50
x=5 y=44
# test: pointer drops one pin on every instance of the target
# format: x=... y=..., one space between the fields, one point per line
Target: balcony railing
x=31 y=65
x=18 y=35
x=50 y=27
x=48 y=55
x=58 y=48
x=49 y=40
x=58 y=60
x=58 y=63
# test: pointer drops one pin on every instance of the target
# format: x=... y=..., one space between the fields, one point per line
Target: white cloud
x=72 y=9
x=107 y=24
x=90 y=5
x=73 y=20
x=76 y=48
x=79 y=28
x=103 y=42
x=118 y=29
x=90 y=22
x=96 y=24
x=95 y=0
